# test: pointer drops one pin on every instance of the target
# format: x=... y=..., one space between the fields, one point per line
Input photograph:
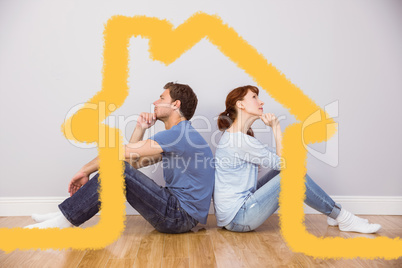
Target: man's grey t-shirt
x=188 y=168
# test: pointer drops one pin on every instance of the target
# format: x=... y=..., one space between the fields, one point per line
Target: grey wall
x=344 y=53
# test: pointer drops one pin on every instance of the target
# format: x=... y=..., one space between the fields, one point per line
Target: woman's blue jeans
x=264 y=202
x=155 y=203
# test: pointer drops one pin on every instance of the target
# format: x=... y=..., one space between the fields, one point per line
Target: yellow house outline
x=166 y=45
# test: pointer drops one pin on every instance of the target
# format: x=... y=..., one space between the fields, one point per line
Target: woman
x=241 y=202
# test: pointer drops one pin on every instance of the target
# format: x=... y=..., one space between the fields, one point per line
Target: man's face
x=163 y=106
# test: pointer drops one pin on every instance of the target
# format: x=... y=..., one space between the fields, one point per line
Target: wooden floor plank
x=274 y=249
x=120 y=263
x=126 y=247
x=205 y=246
x=387 y=222
x=225 y=250
x=68 y=258
x=150 y=252
x=20 y=258
x=12 y=222
x=176 y=246
x=95 y=258
x=393 y=233
x=176 y=251
x=201 y=251
x=176 y=263
x=43 y=258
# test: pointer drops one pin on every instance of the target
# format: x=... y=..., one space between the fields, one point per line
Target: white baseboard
x=363 y=205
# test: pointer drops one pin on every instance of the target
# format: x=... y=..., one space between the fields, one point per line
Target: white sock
x=333 y=222
x=56 y=222
x=351 y=223
x=45 y=217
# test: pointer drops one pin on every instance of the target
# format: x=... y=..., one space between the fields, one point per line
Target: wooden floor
x=205 y=246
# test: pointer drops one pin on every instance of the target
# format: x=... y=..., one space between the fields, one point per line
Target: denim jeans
x=264 y=202
x=155 y=203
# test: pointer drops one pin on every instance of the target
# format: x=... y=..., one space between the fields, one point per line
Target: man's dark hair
x=185 y=95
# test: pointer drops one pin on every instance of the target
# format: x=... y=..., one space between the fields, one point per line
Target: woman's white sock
x=351 y=223
x=56 y=222
x=45 y=217
x=333 y=222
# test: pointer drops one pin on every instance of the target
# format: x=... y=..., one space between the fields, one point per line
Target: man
x=187 y=168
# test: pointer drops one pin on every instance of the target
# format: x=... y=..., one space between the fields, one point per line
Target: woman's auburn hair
x=227 y=117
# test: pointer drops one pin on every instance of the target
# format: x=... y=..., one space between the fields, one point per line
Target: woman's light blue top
x=237 y=158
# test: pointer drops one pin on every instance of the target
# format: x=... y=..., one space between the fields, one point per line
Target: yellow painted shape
x=166 y=45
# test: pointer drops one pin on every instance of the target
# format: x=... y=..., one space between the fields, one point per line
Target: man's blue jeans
x=155 y=203
x=264 y=202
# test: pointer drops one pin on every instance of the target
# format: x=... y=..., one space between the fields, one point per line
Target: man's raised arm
x=144 y=121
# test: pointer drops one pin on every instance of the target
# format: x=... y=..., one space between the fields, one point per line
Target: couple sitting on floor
x=242 y=203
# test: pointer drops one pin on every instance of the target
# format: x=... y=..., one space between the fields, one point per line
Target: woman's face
x=251 y=104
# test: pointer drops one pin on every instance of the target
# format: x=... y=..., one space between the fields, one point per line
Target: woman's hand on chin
x=270 y=120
